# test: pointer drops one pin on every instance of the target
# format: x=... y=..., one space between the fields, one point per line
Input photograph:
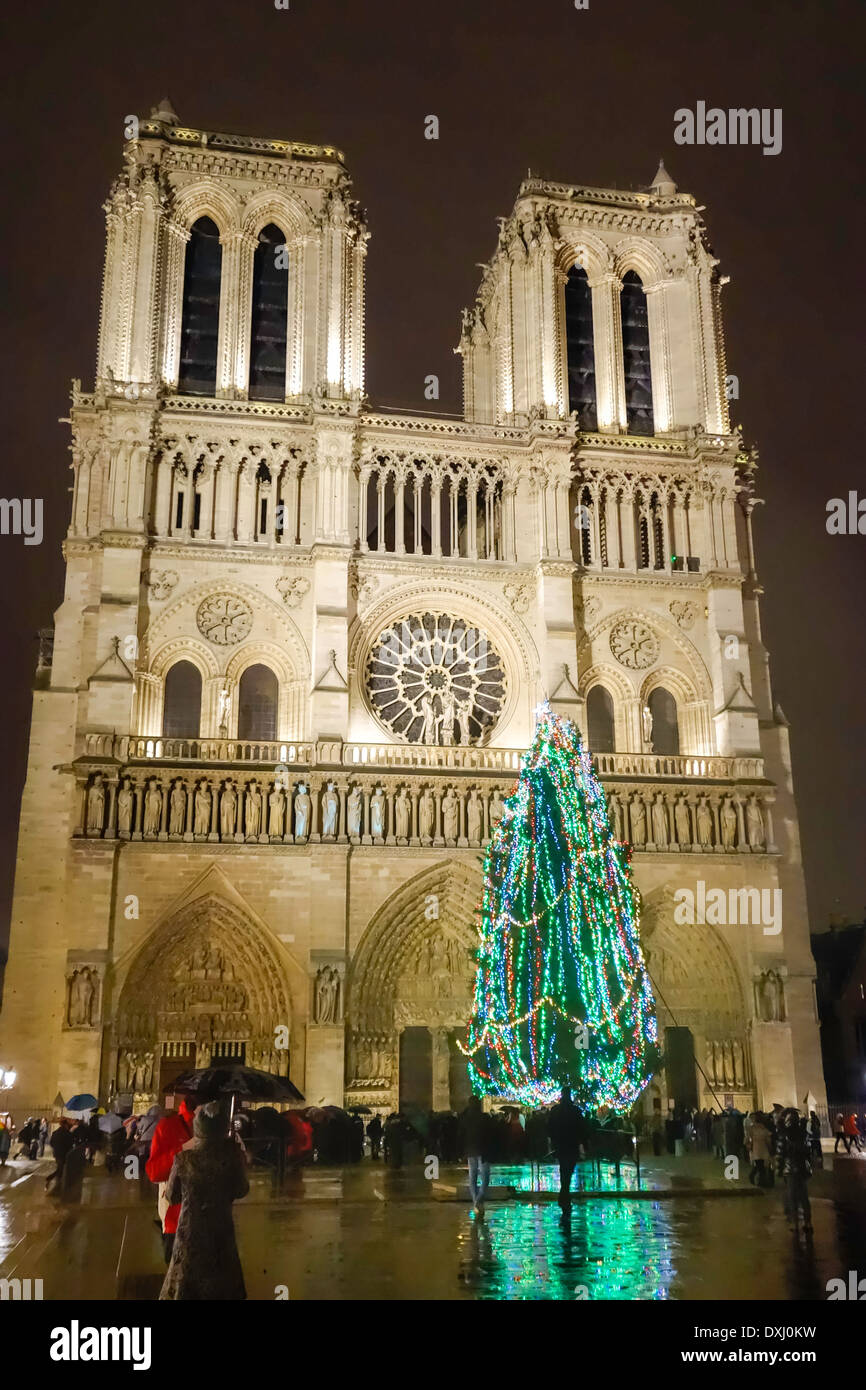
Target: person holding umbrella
x=207 y=1176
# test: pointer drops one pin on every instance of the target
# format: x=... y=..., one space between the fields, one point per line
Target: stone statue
x=464 y=710
x=330 y=811
x=659 y=821
x=647 y=724
x=327 y=994
x=277 y=804
x=228 y=811
x=705 y=824
x=739 y=1064
x=377 y=814
x=176 y=809
x=473 y=817
x=497 y=809
x=354 y=807
x=426 y=815
x=449 y=711
x=124 y=807
x=152 y=808
x=681 y=817
x=96 y=805
x=140 y=1074
x=402 y=809
x=281 y=777
x=202 y=809
x=82 y=993
x=637 y=814
x=770 y=999
x=450 y=815
x=302 y=812
x=729 y=823
x=225 y=703
x=254 y=810
x=428 y=732
x=754 y=824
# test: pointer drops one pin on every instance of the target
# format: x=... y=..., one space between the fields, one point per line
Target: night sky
x=585 y=96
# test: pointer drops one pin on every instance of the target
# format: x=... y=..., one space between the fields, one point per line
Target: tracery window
x=433 y=678
x=580 y=348
x=199 y=332
x=636 y=355
x=269 y=327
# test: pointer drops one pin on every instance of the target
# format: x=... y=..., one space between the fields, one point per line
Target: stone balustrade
x=132 y=748
x=360 y=805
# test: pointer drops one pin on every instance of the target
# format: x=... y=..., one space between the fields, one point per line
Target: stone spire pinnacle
x=663 y=183
x=165 y=112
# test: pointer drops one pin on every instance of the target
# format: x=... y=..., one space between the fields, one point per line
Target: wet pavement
x=372 y=1233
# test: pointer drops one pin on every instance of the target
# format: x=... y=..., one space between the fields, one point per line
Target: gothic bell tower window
x=201 y=310
x=268 y=330
x=636 y=356
x=580 y=348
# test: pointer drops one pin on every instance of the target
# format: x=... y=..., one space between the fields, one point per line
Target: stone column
x=441 y=1059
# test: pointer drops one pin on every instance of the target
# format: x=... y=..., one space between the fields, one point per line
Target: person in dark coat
x=477 y=1141
x=568 y=1130
x=207 y=1176
x=374 y=1134
x=61 y=1143
x=795 y=1167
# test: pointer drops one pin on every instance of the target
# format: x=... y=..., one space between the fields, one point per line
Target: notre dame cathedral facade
x=302 y=641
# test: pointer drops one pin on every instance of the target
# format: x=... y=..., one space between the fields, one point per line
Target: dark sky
x=579 y=95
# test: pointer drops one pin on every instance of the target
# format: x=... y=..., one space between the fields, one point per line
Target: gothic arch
x=243 y=994
x=695 y=668
x=289 y=213
x=668 y=677
x=582 y=248
x=183 y=649
x=693 y=971
x=644 y=258
x=260 y=603
x=396 y=937
x=208 y=198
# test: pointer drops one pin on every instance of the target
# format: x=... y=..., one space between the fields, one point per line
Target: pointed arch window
x=580 y=348
x=181 y=711
x=257 y=704
x=199 y=333
x=636 y=356
x=665 y=724
x=600 y=723
x=269 y=327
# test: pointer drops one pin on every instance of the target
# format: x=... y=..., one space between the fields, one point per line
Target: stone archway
x=697 y=987
x=208 y=983
x=413 y=970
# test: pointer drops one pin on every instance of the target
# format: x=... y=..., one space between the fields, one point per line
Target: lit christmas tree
x=562 y=992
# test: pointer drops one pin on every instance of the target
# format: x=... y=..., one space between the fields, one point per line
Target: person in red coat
x=173 y=1131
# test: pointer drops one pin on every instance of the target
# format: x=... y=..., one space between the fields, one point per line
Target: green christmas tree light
x=562 y=991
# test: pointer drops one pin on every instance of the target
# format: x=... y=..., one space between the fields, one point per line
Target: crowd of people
x=199 y=1160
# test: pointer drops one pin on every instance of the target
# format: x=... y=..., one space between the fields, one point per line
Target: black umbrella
x=213 y=1083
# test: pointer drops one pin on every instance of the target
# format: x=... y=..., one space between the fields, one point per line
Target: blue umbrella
x=82 y=1102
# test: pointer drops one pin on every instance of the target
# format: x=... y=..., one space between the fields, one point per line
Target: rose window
x=435 y=679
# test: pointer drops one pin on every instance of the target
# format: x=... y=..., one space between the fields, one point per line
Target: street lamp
x=7 y=1079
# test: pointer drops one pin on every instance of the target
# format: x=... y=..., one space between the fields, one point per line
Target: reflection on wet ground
x=372 y=1234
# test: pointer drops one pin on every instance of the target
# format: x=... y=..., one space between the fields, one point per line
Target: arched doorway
x=702 y=1017
x=208 y=983
x=410 y=993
